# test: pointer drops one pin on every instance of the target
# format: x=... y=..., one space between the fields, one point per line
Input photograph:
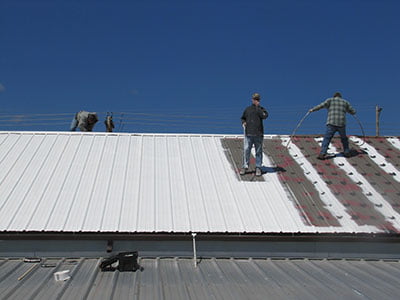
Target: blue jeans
x=330 y=132
x=249 y=141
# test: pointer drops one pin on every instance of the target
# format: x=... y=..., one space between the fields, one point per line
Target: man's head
x=256 y=98
x=92 y=118
x=337 y=94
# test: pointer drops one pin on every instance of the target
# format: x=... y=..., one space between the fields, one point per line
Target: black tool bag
x=127 y=262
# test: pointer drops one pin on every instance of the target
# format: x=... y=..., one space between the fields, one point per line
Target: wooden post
x=377 y=115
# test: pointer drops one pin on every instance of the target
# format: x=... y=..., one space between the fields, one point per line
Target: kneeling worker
x=84 y=120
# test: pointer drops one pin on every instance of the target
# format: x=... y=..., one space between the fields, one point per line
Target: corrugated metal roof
x=108 y=182
x=176 y=278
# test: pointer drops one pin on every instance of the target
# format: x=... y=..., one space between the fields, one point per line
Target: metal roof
x=110 y=182
x=177 y=278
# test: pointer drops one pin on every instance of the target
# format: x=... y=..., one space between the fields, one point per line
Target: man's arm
x=83 y=126
x=350 y=109
x=324 y=104
x=243 y=118
x=262 y=112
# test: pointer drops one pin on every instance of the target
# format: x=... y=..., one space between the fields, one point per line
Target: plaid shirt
x=337 y=109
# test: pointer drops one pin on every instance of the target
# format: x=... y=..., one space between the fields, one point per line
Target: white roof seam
x=226 y=167
x=377 y=158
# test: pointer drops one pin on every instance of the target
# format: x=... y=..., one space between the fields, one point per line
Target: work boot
x=258 y=172
x=347 y=154
x=243 y=171
x=321 y=156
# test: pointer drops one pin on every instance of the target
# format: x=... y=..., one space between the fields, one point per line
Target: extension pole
x=27 y=272
x=377 y=115
x=194 y=249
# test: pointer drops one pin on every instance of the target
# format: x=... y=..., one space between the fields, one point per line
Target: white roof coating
x=144 y=183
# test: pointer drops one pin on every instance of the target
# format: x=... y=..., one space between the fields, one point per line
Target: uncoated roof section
x=109 y=182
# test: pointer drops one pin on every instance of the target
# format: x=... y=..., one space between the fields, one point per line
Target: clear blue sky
x=191 y=66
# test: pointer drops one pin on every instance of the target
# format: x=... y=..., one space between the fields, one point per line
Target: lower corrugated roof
x=177 y=278
x=149 y=183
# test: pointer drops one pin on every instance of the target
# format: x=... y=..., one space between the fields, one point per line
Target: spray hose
x=362 y=129
x=306 y=115
x=297 y=127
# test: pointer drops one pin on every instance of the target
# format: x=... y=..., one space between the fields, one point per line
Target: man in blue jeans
x=252 y=121
x=337 y=109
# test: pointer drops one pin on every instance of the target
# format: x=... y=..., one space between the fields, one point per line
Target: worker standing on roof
x=252 y=122
x=337 y=109
x=84 y=120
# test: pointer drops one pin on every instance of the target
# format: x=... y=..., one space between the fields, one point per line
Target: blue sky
x=191 y=66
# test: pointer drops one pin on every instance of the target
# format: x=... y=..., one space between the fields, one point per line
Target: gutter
x=245 y=237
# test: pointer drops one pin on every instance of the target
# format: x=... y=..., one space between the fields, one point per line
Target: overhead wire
x=281 y=121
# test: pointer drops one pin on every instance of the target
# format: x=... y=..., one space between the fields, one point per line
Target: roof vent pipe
x=194 y=249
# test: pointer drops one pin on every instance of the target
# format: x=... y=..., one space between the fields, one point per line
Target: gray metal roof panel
x=177 y=278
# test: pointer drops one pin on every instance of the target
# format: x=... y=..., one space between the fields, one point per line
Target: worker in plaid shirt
x=337 y=109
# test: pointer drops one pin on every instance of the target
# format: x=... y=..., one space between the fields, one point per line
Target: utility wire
x=223 y=120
